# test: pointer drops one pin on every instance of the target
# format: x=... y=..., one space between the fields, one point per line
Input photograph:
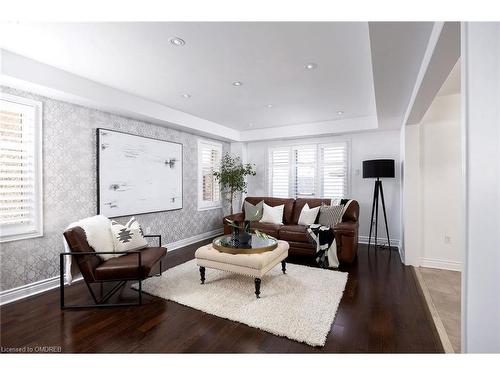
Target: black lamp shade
x=378 y=168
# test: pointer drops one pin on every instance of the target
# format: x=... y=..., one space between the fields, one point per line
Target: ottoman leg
x=257 y=287
x=283 y=266
x=202 y=274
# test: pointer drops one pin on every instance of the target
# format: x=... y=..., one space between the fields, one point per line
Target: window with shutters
x=333 y=170
x=305 y=171
x=20 y=168
x=209 y=159
x=279 y=172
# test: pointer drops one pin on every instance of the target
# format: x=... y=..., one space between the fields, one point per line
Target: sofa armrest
x=346 y=228
x=238 y=217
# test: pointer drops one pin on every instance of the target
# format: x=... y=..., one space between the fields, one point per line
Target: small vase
x=235 y=234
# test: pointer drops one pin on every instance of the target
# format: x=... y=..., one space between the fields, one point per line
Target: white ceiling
x=269 y=59
x=369 y=71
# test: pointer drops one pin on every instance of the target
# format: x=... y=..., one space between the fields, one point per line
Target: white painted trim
x=431 y=45
x=441 y=264
x=38 y=170
x=191 y=240
x=25 y=291
x=207 y=205
x=380 y=241
x=438 y=323
x=313 y=129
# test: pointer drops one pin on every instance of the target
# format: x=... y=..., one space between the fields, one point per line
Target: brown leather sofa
x=346 y=232
x=135 y=265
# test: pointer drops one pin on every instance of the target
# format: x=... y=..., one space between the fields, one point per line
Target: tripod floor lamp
x=380 y=168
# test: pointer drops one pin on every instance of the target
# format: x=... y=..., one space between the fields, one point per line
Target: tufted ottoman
x=254 y=265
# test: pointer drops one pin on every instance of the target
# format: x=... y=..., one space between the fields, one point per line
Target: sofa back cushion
x=301 y=202
x=288 y=202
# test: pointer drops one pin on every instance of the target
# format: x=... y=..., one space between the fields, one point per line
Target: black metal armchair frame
x=101 y=302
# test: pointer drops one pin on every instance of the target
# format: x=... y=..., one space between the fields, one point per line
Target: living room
x=248 y=187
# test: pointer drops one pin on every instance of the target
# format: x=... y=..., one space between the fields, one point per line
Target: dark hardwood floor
x=382 y=310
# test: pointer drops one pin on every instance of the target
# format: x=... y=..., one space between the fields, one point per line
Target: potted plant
x=232 y=176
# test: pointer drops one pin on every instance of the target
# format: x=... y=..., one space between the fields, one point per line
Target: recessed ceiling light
x=186 y=96
x=250 y=125
x=177 y=41
x=340 y=112
x=269 y=105
x=311 y=66
x=237 y=83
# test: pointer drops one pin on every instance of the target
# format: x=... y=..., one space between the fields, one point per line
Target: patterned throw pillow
x=330 y=216
x=129 y=236
x=253 y=213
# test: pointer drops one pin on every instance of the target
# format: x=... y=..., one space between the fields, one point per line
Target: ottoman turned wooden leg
x=257 y=287
x=283 y=266
x=202 y=274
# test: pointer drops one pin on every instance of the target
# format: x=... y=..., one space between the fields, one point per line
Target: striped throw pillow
x=329 y=216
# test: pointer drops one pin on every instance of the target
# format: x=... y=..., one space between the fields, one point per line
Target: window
x=315 y=170
x=20 y=168
x=209 y=159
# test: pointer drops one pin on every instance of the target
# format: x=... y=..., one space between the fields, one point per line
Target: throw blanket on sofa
x=326 y=247
x=324 y=239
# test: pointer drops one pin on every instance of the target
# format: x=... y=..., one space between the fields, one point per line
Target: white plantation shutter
x=304 y=171
x=311 y=170
x=279 y=172
x=20 y=168
x=209 y=159
x=333 y=170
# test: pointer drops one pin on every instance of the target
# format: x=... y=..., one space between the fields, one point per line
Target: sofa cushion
x=301 y=202
x=270 y=229
x=126 y=266
x=295 y=233
x=253 y=212
x=308 y=215
x=288 y=202
x=273 y=215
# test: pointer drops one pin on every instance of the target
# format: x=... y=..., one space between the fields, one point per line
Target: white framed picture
x=136 y=174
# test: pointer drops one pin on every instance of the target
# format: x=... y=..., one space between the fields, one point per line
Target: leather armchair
x=132 y=266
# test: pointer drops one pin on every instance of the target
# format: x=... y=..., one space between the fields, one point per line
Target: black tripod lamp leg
x=377 y=185
x=385 y=216
x=371 y=218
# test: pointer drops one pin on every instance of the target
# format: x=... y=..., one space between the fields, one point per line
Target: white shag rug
x=300 y=304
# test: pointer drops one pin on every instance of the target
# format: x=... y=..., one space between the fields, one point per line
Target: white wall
x=481 y=119
x=442 y=184
x=433 y=189
x=412 y=214
x=363 y=146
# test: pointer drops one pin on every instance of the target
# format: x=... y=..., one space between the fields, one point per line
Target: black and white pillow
x=329 y=216
x=128 y=237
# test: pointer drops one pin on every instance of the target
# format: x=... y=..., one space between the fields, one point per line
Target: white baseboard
x=380 y=241
x=24 y=291
x=441 y=264
x=190 y=240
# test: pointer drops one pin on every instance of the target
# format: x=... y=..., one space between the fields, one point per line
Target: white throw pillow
x=128 y=237
x=273 y=215
x=308 y=215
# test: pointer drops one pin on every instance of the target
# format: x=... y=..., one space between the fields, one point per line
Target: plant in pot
x=232 y=177
x=241 y=237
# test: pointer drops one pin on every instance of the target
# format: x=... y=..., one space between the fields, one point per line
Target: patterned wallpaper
x=69 y=191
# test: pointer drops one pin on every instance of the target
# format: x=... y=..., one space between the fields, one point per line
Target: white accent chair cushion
x=273 y=215
x=308 y=215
